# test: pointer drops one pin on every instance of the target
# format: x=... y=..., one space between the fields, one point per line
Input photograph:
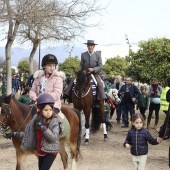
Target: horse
x=113 y=95
x=16 y=115
x=82 y=98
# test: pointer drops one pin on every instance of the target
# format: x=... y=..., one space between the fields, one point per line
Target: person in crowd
x=129 y=93
x=4 y=78
x=112 y=79
x=165 y=100
x=48 y=80
x=92 y=62
x=24 y=98
x=154 y=94
x=164 y=105
x=26 y=76
x=118 y=85
x=42 y=132
x=3 y=88
x=30 y=80
x=137 y=141
x=15 y=84
x=143 y=101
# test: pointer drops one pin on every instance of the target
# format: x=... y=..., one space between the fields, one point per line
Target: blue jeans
x=128 y=107
x=118 y=111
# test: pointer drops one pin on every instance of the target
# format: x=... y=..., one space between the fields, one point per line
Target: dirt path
x=98 y=155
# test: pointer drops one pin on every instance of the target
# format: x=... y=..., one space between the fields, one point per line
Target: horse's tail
x=95 y=120
x=80 y=130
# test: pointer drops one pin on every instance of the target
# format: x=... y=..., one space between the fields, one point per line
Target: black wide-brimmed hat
x=91 y=42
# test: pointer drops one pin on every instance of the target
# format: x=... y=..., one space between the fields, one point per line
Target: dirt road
x=98 y=155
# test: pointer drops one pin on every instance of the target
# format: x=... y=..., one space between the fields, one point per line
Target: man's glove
x=40 y=122
x=9 y=135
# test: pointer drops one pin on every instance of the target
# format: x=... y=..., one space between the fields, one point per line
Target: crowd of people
x=50 y=82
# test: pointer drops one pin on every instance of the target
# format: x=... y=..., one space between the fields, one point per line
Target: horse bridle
x=114 y=96
x=8 y=112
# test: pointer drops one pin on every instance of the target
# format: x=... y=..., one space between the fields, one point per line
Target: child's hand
x=159 y=140
x=127 y=146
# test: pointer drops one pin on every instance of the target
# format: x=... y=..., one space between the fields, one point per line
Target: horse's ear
x=7 y=99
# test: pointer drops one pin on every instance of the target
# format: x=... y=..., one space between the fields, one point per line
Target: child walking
x=107 y=113
x=42 y=132
x=143 y=101
x=137 y=140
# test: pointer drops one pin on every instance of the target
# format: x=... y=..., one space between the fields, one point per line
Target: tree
x=57 y=21
x=4 y=70
x=2 y=62
x=12 y=15
x=69 y=65
x=23 y=66
x=116 y=65
x=151 y=60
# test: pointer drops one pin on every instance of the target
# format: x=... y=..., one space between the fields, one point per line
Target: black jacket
x=138 y=139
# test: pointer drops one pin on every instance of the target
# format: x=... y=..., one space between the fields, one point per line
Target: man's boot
x=148 y=122
x=156 y=123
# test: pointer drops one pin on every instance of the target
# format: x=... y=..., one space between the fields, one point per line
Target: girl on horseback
x=42 y=132
x=48 y=80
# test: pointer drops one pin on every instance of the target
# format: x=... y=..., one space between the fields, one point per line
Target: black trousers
x=45 y=162
x=153 y=107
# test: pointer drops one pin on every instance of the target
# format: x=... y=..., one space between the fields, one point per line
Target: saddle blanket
x=93 y=85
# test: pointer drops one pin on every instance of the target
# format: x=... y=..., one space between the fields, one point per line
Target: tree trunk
x=8 y=66
x=31 y=57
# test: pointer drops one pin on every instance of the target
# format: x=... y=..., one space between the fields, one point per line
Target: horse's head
x=113 y=95
x=82 y=81
x=5 y=111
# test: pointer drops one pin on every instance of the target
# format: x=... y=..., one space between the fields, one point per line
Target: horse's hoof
x=105 y=137
x=86 y=142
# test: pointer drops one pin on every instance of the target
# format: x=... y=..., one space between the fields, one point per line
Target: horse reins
x=9 y=111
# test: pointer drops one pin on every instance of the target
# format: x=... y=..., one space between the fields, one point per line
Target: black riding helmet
x=49 y=59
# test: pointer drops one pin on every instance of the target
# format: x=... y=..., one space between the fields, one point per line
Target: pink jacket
x=54 y=86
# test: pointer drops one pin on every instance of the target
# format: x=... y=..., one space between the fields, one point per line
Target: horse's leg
x=103 y=119
x=87 y=125
x=19 y=155
x=63 y=153
x=74 y=152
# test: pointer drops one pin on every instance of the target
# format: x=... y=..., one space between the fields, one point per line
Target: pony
x=16 y=115
x=113 y=95
x=82 y=98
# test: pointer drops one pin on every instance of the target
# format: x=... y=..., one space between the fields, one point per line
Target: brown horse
x=16 y=115
x=82 y=98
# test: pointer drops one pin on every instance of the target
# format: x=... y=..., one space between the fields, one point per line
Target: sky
x=139 y=19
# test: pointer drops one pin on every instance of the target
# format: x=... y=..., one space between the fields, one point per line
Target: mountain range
x=61 y=52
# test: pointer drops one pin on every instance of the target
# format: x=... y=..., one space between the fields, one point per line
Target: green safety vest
x=163 y=103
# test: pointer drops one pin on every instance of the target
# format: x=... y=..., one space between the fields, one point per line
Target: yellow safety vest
x=163 y=103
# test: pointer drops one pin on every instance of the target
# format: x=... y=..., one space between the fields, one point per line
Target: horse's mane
x=81 y=75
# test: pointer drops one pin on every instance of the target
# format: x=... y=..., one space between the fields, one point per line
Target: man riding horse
x=92 y=62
